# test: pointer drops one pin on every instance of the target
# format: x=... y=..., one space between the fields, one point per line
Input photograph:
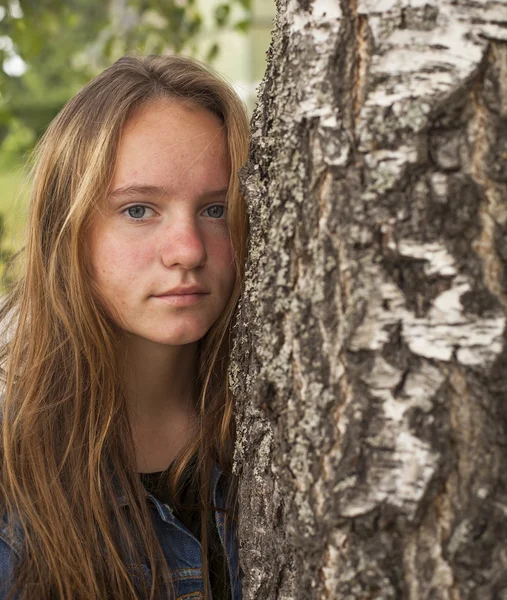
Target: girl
x=117 y=424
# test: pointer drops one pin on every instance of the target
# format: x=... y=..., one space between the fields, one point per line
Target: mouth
x=183 y=291
x=181 y=298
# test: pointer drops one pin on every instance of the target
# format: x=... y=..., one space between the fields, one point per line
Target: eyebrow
x=136 y=190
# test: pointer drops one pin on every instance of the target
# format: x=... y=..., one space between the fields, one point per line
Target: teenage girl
x=117 y=423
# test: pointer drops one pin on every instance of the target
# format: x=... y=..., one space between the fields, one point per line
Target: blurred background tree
x=51 y=48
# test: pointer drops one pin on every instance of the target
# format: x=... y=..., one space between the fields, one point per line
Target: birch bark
x=370 y=360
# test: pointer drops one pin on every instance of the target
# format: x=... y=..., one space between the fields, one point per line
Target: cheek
x=115 y=262
x=220 y=252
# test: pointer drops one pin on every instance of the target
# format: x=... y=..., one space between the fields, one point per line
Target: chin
x=182 y=338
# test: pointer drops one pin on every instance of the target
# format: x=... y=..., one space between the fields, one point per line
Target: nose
x=182 y=245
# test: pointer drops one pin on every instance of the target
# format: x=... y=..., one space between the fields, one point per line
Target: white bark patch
x=439 y=185
x=331 y=571
x=399 y=476
x=318 y=27
x=438 y=261
x=400 y=471
x=329 y=9
x=321 y=13
x=372 y=333
x=383 y=376
x=377 y=6
x=417 y=463
x=452 y=51
x=420 y=386
x=264 y=455
x=446 y=330
x=416 y=68
x=418 y=390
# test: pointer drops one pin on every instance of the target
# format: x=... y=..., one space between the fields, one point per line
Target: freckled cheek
x=120 y=262
x=220 y=253
x=220 y=257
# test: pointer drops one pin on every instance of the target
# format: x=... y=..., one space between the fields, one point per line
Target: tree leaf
x=222 y=14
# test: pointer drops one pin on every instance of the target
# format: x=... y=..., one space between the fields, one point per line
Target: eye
x=217 y=211
x=138 y=212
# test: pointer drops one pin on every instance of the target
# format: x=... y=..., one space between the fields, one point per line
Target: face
x=160 y=250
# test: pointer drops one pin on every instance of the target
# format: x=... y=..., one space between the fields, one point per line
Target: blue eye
x=216 y=211
x=136 y=212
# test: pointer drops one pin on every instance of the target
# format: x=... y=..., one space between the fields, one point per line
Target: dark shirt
x=185 y=508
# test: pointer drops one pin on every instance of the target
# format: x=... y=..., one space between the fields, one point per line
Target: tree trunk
x=370 y=360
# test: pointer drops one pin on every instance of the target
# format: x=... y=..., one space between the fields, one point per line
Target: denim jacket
x=181 y=549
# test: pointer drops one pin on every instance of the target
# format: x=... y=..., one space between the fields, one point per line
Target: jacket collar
x=215 y=476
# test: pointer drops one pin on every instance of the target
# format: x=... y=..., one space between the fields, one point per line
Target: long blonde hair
x=66 y=439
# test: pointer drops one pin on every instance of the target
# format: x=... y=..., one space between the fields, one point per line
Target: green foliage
x=242 y=25
x=13 y=205
x=64 y=44
x=6 y=256
x=222 y=14
x=212 y=52
x=18 y=141
x=14 y=191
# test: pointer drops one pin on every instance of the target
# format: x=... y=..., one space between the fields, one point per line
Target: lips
x=182 y=296
x=183 y=291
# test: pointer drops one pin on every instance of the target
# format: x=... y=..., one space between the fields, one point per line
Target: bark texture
x=370 y=354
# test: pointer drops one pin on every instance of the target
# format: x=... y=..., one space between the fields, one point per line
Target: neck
x=159 y=379
x=161 y=390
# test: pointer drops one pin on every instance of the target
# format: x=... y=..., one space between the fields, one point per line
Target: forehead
x=167 y=142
